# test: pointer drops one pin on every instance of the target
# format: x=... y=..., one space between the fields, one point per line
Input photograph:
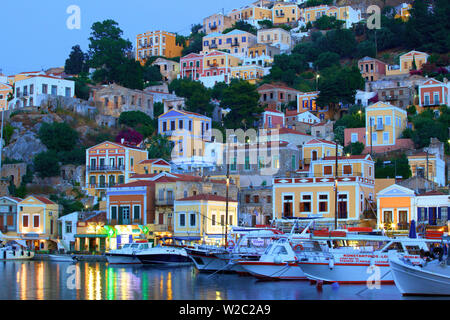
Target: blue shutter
x=419 y=214
x=425 y=215
x=439 y=213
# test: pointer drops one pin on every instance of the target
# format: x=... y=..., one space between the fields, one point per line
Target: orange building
x=157 y=43
x=5 y=90
x=111 y=163
x=395 y=206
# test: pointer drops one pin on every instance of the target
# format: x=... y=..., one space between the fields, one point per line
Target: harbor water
x=47 y=280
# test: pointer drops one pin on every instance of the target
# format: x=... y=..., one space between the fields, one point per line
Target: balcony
x=379 y=127
x=213 y=27
x=213 y=46
x=164 y=202
x=235 y=44
x=391 y=97
x=101 y=185
x=105 y=168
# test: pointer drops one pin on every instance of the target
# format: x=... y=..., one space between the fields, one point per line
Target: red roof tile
x=140 y=183
x=433 y=193
x=44 y=200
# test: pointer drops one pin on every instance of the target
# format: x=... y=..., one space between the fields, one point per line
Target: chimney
x=122 y=140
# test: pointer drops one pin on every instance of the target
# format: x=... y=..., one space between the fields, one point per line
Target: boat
x=62 y=257
x=279 y=261
x=430 y=278
x=355 y=258
x=16 y=250
x=127 y=254
x=250 y=245
x=164 y=255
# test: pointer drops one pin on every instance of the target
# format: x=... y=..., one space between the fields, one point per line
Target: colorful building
x=316 y=149
x=37 y=222
x=217 y=67
x=204 y=217
x=306 y=101
x=111 y=163
x=251 y=73
x=403 y=11
x=285 y=12
x=191 y=66
x=434 y=93
x=277 y=37
x=274 y=95
x=5 y=91
x=216 y=23
x=157 y=43
x=153 y=166
x=235 y=42
x=272 y=118
x=187 y=130
x=33 y=90
x=313 y=194
x=371 y=69
x=407 y=62
x=346 y=14
x=384 y=124
x=429 y=166
x=250 y=14
x=395 y=208
x=8 y=214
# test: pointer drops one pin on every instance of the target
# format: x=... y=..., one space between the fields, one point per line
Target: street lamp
x=317 y=82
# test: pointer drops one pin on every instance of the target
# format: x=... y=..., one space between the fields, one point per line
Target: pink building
x=275 y=95
x=272 y=118
x=191 y=66
x=434 y=93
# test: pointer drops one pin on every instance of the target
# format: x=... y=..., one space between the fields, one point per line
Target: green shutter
x=120 y=216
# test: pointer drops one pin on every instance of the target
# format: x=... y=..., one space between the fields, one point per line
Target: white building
x=307 y=117
x=363 y=97
x=68 y=230
x=32 y=91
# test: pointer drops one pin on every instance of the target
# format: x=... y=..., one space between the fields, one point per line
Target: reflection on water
x=38 y=280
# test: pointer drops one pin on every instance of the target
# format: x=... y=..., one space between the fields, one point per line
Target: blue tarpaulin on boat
x=412 y=230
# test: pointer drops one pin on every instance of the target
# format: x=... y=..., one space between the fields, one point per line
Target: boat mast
x=226 y=196
x=335 y=188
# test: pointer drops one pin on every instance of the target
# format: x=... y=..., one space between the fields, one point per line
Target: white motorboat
x=279 y=262
x=164 y=255
x=356 y=258
x=15 y=250
x=127 y=254
x=62 y=257
x=249 y=246
x=430 y=278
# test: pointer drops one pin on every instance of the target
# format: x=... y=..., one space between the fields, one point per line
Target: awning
x=187 y=238
x=90 y=236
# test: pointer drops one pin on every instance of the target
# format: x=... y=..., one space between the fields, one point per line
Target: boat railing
x=313 y=255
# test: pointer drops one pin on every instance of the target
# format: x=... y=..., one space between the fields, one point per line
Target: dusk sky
x=35 y=35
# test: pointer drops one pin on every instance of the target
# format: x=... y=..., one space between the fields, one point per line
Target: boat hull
x=347 y=273
x=273 y=271
x=61 y=258
x=413 y=280
x=165 y=259
x=122 y=259
x=16 y=255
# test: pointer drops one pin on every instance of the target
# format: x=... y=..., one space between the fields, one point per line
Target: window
x=247 y=198
x=180 y=124
x=136 y=212
x=172 y=125
x=276 y=162
x=54 y=90
x=327 y=170
x=305 y=203
x=182 y=220
x=256 y=199
x=68 y=92
x=164 y=125
x=323 y=203
x=230 y=220
x=388 y=120
x=213 y=220
x=347 y=169
x=36 y=221
x=25 y=221
x=247 y=163
x=294 y=163
x=113 y=213
x=354 y=137
x=374 y=138
x=68 y=226
x=44 y=89
x=386 y=137
x=192 y=219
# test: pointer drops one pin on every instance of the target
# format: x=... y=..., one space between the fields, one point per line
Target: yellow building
x=37 y=222
x=403 y=11
x=316 y=149
x=187 y=130
x=395 y=206
x=406 y=63
x=344 y=13
x=110 y=163
x=157 y=43
x=313 y=195
x=275 y=37
x=5 y=90
x=153 y=166
x=427 y=166
x=203 y=218
x=251 y=73
x=285 y=12
x=252 y=13
x=384 y=124
x=216 y=23
x=169 y=69
x=311 y=14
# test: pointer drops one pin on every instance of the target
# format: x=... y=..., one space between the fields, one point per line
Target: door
x=432 y=216
x=403 y=220
x=161 y=218
x=124 y=217
x=287 y=206
x=342 y=207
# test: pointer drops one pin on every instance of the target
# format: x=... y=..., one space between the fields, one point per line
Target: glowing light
x=381 y=225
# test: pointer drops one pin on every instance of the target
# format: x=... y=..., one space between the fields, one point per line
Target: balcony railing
x=164 y=202
x=235 y=44
x=379 y=126
x=403 y=226
x=101 y=185
x=391 y=97
x=213 y=46
x=105 y=168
